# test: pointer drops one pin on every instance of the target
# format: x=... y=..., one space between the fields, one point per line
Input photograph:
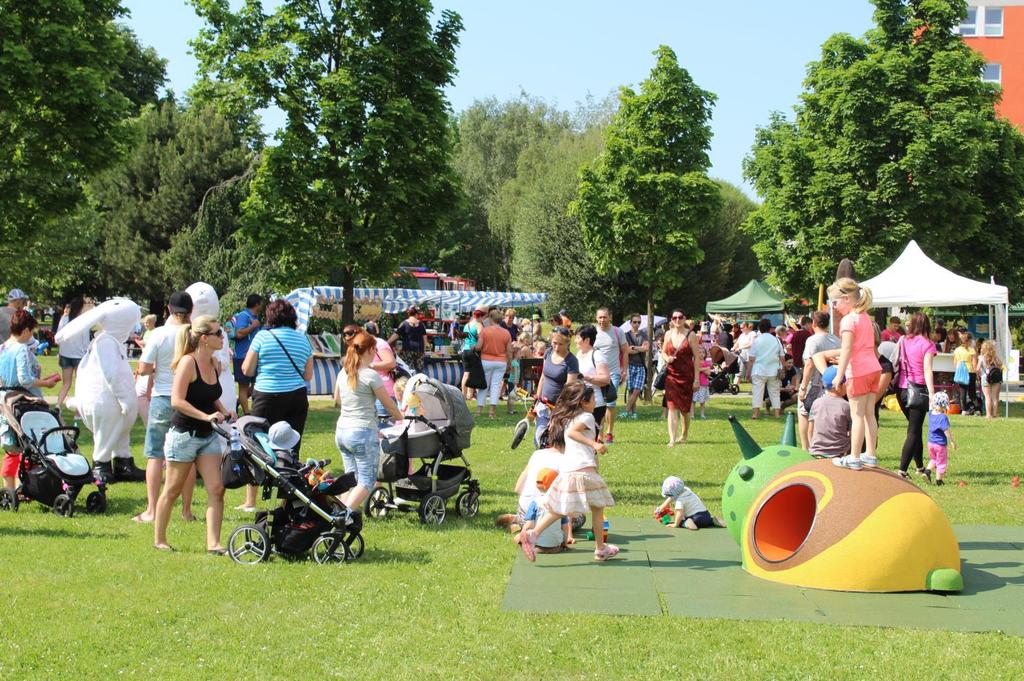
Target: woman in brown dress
x=681 y=351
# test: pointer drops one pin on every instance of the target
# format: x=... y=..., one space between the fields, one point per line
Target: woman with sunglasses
x=681 y=352
x=195 y=398
x=560 y=368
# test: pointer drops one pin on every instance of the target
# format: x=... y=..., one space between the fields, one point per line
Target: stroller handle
x=74 y=430
x=218 y=427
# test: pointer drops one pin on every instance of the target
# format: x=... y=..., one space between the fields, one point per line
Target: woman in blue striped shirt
x=281 y=359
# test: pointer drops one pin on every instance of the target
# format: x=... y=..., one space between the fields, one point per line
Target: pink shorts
x=863 y=385
x=10 y=465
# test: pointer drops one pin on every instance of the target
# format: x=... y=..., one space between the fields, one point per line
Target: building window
x=969 y=26
x=994 y=21
x=992 y=73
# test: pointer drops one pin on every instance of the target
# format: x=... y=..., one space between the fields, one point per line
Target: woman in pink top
x=915 y=366
x=496 y=356
x=858 y=362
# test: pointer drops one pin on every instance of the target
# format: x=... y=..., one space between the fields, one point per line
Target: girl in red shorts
x=858 y=361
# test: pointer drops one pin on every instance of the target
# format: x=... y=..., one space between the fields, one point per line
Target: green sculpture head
x=748 y=477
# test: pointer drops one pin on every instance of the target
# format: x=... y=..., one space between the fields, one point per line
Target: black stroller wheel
x=330 y=548
x=432 y=510
x=377 y=503
x=8 y=500
x=249 y=545
x=64 y=506
x=734 y=389
x=354 y=542
x=96 y=503
x=468 y=504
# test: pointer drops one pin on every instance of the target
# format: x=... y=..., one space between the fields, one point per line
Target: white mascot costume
x=206 y=302
x=105 y=388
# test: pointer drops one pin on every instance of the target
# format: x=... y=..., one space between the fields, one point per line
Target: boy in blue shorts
x=556 y=537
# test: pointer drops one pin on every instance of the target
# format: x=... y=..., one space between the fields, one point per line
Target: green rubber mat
x=697 y=574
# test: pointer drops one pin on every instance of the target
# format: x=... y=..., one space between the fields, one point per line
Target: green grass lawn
x=88 y=597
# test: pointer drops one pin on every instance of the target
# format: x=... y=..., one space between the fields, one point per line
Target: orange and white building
x=995 y=29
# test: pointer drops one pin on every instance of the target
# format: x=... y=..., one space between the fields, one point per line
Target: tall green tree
x=140 y=73
x=60 y=114
x=549 y=253
x=146 y=202
x=895 y=138
x=728 y=263
x=492 y=138
x=643 y=202
x=361 y=172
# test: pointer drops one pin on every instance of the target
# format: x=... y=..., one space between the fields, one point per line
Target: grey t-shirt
x=609 y=345
x=358 y=407
x=831 y=417
x=818 y=342
x=638 y=338
x=6 y=313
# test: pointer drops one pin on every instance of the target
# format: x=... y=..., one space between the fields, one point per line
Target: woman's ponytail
x=864 y=299
x=186 y=341
x=360 y=344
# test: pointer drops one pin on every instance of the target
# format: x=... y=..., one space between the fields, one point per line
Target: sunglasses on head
x=561 y=331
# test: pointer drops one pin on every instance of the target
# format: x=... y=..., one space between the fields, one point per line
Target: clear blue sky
x=751 y=53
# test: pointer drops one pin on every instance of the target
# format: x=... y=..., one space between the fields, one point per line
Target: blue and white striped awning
x=397 y=300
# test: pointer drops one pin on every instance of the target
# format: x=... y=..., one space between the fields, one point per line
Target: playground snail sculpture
x=802 y=521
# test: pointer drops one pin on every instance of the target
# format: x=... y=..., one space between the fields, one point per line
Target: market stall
x=915 y=280
x=756 y=298
x=370 y=303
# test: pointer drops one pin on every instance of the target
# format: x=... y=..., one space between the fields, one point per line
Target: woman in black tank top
x=195 y=397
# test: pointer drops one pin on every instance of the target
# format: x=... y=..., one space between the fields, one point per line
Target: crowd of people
x=199 y=369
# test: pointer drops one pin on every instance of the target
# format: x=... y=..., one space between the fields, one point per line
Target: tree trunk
x=347 y=296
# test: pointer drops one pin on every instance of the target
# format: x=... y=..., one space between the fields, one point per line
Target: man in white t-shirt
x=612 y=349
x=156 y=360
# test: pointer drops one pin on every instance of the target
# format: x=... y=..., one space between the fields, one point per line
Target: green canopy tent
x=756 y=296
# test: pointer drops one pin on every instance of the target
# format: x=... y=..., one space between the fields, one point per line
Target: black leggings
x=913 y=446
x=291 y=406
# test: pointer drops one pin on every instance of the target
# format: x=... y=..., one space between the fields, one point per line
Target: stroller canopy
x=442 y=404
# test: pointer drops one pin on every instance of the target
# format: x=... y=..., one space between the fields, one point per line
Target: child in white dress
x=578 y=487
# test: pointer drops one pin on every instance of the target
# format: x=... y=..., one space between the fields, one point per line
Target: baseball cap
x=672 y=487
x=16 y=294
x=545 y=476
x=283 y=436
x=829 y=377
x=180 y=302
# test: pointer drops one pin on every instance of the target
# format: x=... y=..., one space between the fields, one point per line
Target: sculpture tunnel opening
x=783 y=522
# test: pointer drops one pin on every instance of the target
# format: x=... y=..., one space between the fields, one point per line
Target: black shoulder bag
x=299 y=371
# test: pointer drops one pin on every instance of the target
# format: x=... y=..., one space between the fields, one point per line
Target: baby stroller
x=439 y=432
x=310 y=521
x=52 y=471
x=719 y=380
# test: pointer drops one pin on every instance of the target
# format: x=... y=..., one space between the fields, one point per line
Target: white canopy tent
x=915 y=280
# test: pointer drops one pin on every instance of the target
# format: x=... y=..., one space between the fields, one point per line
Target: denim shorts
x=68 y=362
x=183 y=447
x=360 y=452
x=160 y=412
